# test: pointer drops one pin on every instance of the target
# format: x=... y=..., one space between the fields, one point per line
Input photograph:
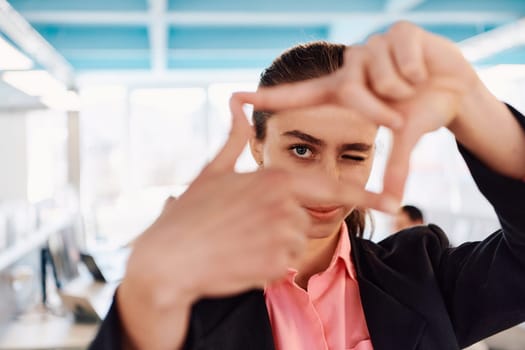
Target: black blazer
x=417 y=292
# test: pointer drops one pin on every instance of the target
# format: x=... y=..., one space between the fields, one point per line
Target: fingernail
x=390 y=205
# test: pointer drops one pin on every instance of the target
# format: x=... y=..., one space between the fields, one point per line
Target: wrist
x=474 y=101
x=158 y=289
x=158 y=283
x=147 y=325
x=482 y=120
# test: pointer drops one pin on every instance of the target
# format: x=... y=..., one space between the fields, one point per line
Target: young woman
x=265 y=261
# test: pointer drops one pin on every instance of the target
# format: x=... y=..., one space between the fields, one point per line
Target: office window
x=104 y=138
x=168 y=136
x=141 y=145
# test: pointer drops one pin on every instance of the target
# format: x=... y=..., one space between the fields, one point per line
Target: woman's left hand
x=422 y=79
x=425 y=78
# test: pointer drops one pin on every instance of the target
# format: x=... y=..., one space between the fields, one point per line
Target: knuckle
x=280 y=235
x=410 y=69
x=354 y=53
x=347 y=89
x=403 y=27
x=281 y=217
x=276 y=215
x=376 y=41
x=385 y=86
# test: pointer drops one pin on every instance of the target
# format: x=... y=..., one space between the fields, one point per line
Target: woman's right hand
x=227 y=233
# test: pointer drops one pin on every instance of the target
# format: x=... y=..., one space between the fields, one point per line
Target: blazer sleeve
x=109 y=335
x=483 y=283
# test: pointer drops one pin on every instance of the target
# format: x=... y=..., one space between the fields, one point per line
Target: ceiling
x=166 y=35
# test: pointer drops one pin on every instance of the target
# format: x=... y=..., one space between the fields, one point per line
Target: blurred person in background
x=408 y=216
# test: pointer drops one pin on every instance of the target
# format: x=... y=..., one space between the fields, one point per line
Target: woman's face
x=326 y=141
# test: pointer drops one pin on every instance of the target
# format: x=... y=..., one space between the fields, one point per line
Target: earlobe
x=256 y=147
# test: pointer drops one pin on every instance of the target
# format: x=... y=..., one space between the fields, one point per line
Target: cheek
x=356 y=174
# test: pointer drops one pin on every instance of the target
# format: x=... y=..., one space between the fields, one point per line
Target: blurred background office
x=109 y=106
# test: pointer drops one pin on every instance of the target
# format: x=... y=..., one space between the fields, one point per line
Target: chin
x=323 y=229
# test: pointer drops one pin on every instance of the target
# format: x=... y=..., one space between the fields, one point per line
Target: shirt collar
x=341 y=253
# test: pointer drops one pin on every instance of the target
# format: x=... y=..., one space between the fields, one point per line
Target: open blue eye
x=302 y=151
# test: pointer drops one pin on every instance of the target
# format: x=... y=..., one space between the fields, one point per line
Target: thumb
x=398 y=165
x=239 y=134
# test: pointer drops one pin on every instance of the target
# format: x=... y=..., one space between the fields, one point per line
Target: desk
x=44 y=331
x=40 y=330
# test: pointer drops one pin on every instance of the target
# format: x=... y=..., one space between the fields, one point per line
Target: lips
x=324 y=213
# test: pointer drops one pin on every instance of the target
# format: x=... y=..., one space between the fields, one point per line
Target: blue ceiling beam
x=243 y=38
x=219 y=63
x=516 y=6
x=113 y=64
x=126 y=46
x=312 y=6
x=73 y=5
x=68 y=37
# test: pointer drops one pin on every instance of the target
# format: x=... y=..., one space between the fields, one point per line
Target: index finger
x=290 y=95
x=320 y=190
x=239 y=134
x=337 y=88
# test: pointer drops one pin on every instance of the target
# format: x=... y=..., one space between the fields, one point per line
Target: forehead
x=331 y=124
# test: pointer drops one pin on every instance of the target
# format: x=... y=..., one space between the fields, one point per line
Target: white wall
x=13 y=156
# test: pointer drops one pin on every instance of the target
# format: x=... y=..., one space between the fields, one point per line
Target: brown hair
x=303 y=62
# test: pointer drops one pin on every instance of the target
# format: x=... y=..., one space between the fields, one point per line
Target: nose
x=331 y=169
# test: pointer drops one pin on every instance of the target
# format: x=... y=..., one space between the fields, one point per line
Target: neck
x=317 y=258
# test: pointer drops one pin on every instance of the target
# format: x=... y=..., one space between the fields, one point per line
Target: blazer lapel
x=391 y=324
x=240 y=322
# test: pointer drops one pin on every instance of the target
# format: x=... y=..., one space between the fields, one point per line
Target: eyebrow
x=356 y=146
x=305 y=137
